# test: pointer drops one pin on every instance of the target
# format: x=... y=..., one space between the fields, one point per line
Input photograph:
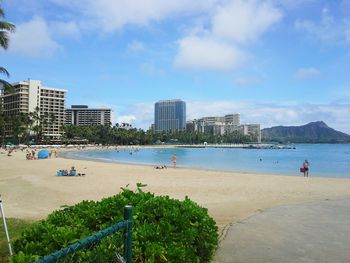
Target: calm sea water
x=326 y=160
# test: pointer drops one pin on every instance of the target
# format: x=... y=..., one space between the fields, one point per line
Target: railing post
x=5 y=226
x=127 y=234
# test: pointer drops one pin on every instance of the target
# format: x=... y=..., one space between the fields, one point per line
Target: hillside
x=313 y=132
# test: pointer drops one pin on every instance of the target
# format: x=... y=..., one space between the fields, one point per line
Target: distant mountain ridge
x=313 y=132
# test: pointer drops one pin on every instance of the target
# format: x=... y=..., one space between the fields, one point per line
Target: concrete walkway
x=312 y=232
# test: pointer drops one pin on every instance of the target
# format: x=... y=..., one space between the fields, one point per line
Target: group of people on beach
x=71 y=172
x=30 y=155
x=160 y=166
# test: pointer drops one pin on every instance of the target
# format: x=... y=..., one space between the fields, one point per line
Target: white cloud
x=198 y=109
x=126 y=119
x=226 y=24
x=135 y=46
x=244 y=21
x=205 y=53
x=143 y=113
x=112 y=15
x=306 y=73
x=33 y=39
x=233 y=24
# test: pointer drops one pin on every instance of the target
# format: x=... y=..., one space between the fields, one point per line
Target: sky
x=276 y=62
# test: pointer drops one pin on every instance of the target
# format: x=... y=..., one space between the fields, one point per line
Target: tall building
x=29 y=96
x=170 y=115
x=83 y=115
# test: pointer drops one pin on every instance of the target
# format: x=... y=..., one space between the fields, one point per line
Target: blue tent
x=43 y=154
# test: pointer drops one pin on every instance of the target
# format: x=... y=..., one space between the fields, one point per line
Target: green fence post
x=127 y=234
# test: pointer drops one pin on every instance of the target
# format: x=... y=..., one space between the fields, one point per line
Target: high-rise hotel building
x=221 y=125
x=83 y=115
x=29 y=96
x=170 y=115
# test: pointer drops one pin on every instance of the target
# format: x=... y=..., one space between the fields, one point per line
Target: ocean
x=326 y=160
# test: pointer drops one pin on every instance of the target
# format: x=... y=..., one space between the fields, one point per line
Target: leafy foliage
x=164 y=230
x=114 y=135
x=20 y=127
x=16 y=227
x=25 y=127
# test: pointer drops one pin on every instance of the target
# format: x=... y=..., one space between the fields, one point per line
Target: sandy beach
x=31 y=189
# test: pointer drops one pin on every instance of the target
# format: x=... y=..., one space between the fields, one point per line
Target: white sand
x=30 y=189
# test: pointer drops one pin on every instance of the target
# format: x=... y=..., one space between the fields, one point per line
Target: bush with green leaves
x=164 y=230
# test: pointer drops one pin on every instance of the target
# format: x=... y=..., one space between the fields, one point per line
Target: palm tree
x=5 y=29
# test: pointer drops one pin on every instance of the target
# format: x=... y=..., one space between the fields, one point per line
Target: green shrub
x=16 y=227
x=164 y=230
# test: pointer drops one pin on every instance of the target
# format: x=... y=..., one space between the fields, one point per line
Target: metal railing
x=125 y=225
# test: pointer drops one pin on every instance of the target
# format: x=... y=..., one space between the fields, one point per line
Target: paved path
x=312 y=232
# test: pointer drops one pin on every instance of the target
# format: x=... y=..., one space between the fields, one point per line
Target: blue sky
x=276 y=62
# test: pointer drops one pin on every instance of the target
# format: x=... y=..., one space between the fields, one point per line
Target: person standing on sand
x=174 y=160
x=306 y=168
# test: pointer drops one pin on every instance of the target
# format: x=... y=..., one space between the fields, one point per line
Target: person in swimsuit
x=174 y=160
x=306 y=168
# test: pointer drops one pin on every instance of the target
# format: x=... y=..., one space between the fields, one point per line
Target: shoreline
x=65 y=155
x=184 y=168
x=31 y=189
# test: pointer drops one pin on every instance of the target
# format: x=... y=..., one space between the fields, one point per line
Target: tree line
x=105 y=134
x=24 y=127
x=28 y=128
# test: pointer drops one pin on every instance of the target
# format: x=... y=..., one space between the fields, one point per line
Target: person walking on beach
x=306 y=168
x=174 y=160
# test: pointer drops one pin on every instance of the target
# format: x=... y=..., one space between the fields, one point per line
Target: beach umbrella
x=43 y=154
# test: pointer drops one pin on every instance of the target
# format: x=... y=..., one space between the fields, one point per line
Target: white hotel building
x=30 y=95
x=83 y=115
x=220 y=125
